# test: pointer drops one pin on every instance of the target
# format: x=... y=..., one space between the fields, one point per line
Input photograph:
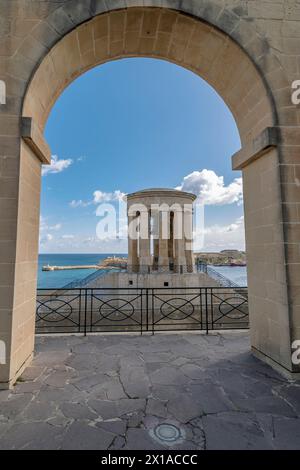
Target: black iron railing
x=81 y=283
x=223 y=280
x=87 y=310
x=214 y=274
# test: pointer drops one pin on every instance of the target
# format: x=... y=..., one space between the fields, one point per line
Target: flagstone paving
x=112 y=391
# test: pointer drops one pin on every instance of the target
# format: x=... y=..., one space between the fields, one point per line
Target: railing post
x=79 y=311
x=152 y=302
x=141 y=296
x=91 y=309
x=212 y=308
x=85 y=312
x=206 y=310
x=147 y=309
x=201 y=308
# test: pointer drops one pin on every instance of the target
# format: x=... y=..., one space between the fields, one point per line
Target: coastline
x=60 y=278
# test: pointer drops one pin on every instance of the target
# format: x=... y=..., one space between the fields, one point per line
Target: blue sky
x=132 y=124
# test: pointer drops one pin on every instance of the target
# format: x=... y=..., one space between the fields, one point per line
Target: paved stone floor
x=110 y=392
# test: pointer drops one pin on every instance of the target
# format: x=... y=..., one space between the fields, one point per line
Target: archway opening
x=132 y=124
x=122 y=127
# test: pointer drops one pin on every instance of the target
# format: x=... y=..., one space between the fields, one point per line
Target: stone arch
x=220 y=43
x=158 y=33
x=57 y=22
x=185 y=40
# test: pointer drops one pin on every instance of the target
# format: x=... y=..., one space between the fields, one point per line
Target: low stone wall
x=157 y=280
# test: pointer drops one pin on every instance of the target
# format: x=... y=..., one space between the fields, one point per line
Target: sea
x=58 y=279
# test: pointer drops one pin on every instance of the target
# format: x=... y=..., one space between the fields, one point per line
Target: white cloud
x=45 y=231
x=79 y=203
x=44 y=239
x=55 y=227
x=98 y=198
x=44 y=226
x=68 y=237
x=206 y=184
x=108 y=245
x=210 y=188
x=221 y=237
x=42 y=223
x=57 y=165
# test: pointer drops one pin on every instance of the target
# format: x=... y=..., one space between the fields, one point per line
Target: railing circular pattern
x=182 y=309
x=234 y=304
x=54 y=307
x=116 y=312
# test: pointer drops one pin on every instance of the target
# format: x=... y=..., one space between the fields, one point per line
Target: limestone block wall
x=247 y=50
x=157 y=280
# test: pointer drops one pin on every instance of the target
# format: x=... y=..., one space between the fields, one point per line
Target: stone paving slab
x=112 y=391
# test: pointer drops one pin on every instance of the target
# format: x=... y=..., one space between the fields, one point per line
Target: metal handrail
x=92 y=310
x=223 y=280
x=91 y=277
